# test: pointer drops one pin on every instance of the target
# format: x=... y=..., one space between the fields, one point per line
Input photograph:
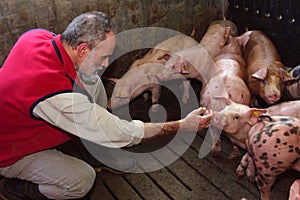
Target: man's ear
x=82 y=49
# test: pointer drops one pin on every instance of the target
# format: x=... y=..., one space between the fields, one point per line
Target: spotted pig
x=273 y=146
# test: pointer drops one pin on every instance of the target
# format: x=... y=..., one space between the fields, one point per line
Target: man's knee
x=73 y=186
x=84 y=182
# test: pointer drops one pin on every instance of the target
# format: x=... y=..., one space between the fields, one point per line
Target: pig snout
x=217 y=120
x=273 y=96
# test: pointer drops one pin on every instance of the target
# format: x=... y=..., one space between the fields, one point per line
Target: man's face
x=97 y=58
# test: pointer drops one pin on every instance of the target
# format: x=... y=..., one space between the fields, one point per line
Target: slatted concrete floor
x=189 y=177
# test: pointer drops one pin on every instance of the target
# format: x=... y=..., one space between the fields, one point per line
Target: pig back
x=217 y=35
x=275 y=135
x=170 y=45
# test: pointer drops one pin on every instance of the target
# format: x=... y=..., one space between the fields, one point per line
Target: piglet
x=266 y=76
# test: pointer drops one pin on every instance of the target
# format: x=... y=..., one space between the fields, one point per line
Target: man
x=44 y=104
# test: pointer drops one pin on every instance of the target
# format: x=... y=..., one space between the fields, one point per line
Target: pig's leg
x=264 y=185
x=295 y=191
x=250 y=169
x=186 y=91
x=155 y=94
x=243 y=165
x=235 y=153
x=216 y=140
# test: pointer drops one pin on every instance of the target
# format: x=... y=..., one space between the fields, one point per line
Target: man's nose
x=105 y=63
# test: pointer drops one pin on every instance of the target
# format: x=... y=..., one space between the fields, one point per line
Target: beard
x=90 y=78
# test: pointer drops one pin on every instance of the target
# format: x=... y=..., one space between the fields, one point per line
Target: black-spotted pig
x=273 y=146
x=266 y=75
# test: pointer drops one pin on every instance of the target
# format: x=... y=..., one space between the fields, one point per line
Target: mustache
x=89 y=78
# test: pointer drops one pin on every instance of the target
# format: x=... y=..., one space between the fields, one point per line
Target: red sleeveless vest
x=37 y=68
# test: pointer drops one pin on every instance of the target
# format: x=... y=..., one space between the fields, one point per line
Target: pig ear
x=243 y=39
x=253 y=114
x=122 y=92
x=286 y=77
x=223 y=100
x=227 y=32
x=261 y=74
x=114 y=80
x=165 y=56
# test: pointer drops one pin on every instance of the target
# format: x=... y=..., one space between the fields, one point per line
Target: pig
x=295 y=191
x=134 y=82
x=159 y=54
x=266 y=76
x=217 y=34
x=292 y=91
x=229 y=81
x=233 y=119
x=197 y=62
x=273 y=146
x=288 y=108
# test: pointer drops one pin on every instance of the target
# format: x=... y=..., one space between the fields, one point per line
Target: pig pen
x=190 y=177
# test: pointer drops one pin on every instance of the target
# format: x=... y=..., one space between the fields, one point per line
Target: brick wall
x=17 y=16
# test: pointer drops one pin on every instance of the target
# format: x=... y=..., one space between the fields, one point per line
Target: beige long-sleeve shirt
x=74 y=113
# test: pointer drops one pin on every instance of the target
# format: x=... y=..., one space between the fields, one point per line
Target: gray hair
x=88 y=28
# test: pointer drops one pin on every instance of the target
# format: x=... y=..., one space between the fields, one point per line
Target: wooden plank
x=100 y=191
x=145 y=186
x=229 y=167
x=118 y=186
x=223 y=180
x=186 y=183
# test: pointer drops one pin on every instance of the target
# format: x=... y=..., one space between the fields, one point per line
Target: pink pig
x=197 y=62
x=229 y=80
x=135 y=76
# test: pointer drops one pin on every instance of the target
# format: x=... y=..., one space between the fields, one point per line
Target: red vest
x=37 y=67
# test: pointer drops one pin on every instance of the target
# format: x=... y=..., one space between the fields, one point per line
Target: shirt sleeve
x=74 y=113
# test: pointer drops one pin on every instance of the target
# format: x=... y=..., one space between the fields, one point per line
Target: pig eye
x=264 y=82
x=281 y=83
x=236 y=117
